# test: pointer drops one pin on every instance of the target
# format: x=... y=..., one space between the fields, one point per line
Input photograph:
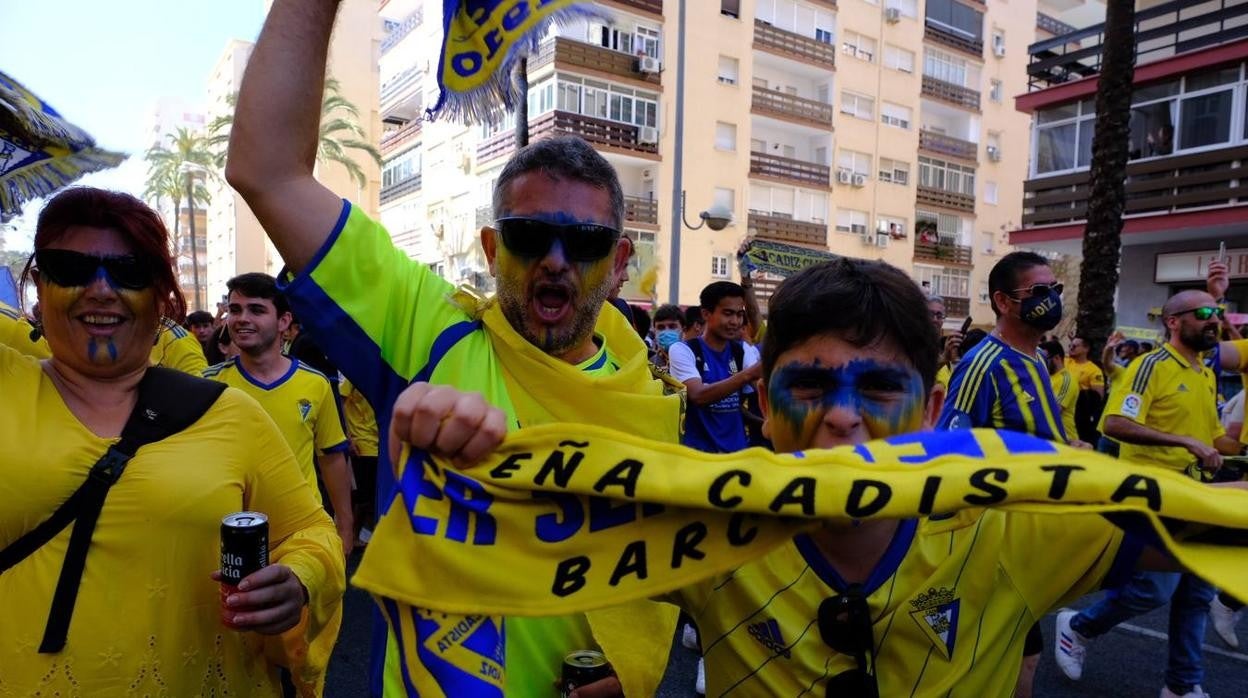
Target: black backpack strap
x=168 y=402
x=738 y=355
x=699 y=363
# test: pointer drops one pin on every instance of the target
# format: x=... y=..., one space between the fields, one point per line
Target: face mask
x=1042 y=312
x=667 y=338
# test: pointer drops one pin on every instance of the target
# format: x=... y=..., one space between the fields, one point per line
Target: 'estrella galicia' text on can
x=244 y=550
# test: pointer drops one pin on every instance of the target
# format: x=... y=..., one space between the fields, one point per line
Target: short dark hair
x=257 y=285
x=199 y=317
x=641 y=320
x=1053 y=349
x=863 y=301
x=669 y=312
x=562 y=157
x=1004 y=274
x=693 y=316
x=716 y=291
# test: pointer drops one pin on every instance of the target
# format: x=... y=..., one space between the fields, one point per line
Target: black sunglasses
x=845 y=626
x=1038 y=289
x=70 y=269
x=533 y=238
x=1203 y=313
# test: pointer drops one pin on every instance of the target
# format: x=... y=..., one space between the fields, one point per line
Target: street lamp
x=715 y=218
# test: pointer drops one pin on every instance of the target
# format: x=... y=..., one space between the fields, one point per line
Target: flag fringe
x=35 y=122
x=46 y=176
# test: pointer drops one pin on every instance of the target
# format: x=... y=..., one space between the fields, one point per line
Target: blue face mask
x=667 y=338
x=1042 y=312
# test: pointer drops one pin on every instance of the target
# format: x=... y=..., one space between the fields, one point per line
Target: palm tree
x=172 y=172
x=1102 y=238
x=340 y=132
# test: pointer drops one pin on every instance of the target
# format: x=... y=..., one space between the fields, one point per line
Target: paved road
x=1127 y=663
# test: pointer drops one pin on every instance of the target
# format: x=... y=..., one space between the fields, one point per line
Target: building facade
x=1188 y=143
x=878 y=130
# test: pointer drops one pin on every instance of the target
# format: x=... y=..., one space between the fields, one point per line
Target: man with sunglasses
x=543 y=349
x=1165 y=415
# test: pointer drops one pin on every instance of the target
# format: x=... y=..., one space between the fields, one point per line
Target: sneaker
x=1224 y=620
x=689 y=637
x=1196 y=692
x=1071 y=647
x=699 y=686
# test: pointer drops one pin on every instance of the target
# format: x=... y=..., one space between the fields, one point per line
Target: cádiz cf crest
x=305 y=408
x=936 y=612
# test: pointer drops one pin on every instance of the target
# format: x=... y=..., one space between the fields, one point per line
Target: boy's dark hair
x=862 y=301
x=669 y=312
x=693 y=316
x=257 y=285
x=1005 y=273
x=199 y=317
x=717 y=291
x=641 y=320
x=1053 y=349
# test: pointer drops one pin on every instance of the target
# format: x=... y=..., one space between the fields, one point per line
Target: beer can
x=581 y=668
x=244 y=550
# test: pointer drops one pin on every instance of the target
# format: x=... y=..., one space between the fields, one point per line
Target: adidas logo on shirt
x=768 y=633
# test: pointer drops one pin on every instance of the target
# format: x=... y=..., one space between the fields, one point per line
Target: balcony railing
x=793 y=45
x=948 y=145
x=1166 y=30
x=957 y=307
x=1163 y=185
x=948 y=92
x=784 y=229
x=947 y=199
x=947 y=36
x=612 y=134
x=944 y=252
x=791 y=169
x=578 y=54
x=787 y=106
x=400 y=188
x=393 y=140
x=641 y=210
x=1053 y=26
x=409 y=23
x=651 y=6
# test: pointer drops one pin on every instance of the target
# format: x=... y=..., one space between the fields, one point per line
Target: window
x=944 y=281
x=998 y=42
x=995 y=90
x=990 y=242
x=725 y=136
x=719 y=266
x=857 y=105
x=732 y=8
x=401 y=168
x=759 y=82
x=895 y=227
x=935 y=227
x=849 y=220
x=946 y=176
x=907 y=8
x=728 y=70
x=895 y=115
x=990 y=193
x=954 y=17
x=994 y=140
x=724 y=199
x=1064 y=137
x=894 y=171
x=858 y=46
x=947 y=67
x=612 y=37
x=758 y=145
x=898 y=58
x=824 y=36
x=601 y=100
x=646 y=41
x=854 y=161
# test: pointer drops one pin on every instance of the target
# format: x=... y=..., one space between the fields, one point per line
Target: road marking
x=1210 y=649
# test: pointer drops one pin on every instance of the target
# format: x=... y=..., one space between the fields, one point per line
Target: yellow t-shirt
x=1067 y=397
x=147 y=618
x=360 y=418
x=178 y=349
x=302 y=405
x=951 y=601
x=15 y=333
x=1087 y=373
x=1162 y=391
x=943 y=374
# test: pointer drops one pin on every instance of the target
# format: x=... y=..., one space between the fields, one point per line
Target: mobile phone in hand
x=966 y=324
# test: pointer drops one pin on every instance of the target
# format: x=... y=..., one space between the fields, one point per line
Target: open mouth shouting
x=552 y=303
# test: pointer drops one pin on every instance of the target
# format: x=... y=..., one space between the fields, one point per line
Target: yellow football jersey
x=360 y=418
x=1087 y=373
x=178 y=349
x=1067 y=394
x=951 y=601
x=15 y=333
x=302 y=405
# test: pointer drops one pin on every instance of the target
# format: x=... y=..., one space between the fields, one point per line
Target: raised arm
x=273 y=139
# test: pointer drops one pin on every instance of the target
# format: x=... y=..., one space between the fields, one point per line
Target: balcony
x=943 y=252
x=793 y=45
x=641 y=210
x=400 y=188
x=600 y=132
x=790 y=169
x=957 y=307
x=1053 y=26
x=950 y=93
x=945 y=199
x=1163 y=185
x=392 y=141
x=395 y=87
x=952 y=38
x=409 y=23
x=1168 y=29
x=780 y=228
x=948 y=145
x=573 y=54
x=654 y=7
x=791 y=108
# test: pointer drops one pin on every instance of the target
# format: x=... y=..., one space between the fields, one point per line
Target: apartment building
x=865 y=129
x=1188 y=143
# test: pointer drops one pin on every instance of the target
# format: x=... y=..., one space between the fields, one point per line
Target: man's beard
x=515 y=302
x=1198 y=340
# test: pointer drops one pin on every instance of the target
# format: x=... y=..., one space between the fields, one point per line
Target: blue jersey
x=720 y=426
x=1000 y=387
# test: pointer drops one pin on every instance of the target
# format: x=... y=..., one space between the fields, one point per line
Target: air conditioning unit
x=648 y=135
x=881 y=239
x=998 y=45
x=860 y=180
x=994 y=153
x=892 y=15
x=648 y=64
x=844 y=176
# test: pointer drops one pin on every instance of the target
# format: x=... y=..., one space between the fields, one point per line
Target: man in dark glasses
x=1164 y=413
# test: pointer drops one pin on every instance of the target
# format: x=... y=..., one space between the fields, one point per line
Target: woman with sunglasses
x=148 y=617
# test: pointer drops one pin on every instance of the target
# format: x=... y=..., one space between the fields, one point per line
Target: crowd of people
x=316 y=379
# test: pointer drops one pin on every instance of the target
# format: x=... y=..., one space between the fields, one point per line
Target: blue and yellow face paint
x=63 y=307
x=887 y=397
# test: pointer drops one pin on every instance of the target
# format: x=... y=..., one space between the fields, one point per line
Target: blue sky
x=103 y=64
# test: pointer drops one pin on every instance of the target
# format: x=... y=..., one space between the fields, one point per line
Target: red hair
x=128 y=216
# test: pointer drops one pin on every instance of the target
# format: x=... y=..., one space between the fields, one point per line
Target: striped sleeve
x=971 y=392
x=1133 y=403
